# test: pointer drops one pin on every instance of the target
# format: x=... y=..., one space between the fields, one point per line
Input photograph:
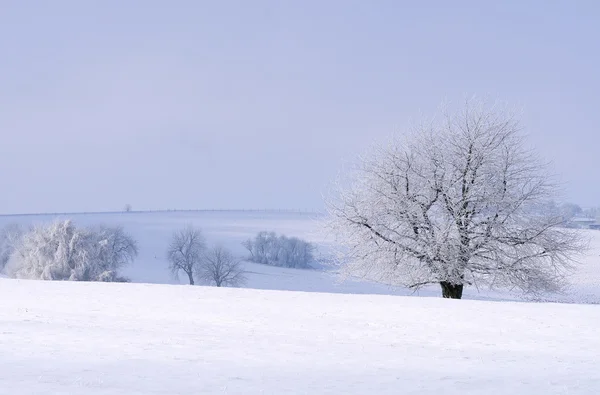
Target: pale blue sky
x=257 y=104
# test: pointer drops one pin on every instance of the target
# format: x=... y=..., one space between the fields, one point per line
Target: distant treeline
x=288 y=211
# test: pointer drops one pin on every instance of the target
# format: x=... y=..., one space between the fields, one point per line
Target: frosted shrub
x=9 y=237
x=62 y=251
x=269 y=249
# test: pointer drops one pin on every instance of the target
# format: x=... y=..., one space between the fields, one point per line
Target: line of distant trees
x=570 y=211
x=129 y=209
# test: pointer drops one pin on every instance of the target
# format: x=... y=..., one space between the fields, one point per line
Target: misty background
x=239 y=104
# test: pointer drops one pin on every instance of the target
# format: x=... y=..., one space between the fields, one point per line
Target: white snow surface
x=126 y=339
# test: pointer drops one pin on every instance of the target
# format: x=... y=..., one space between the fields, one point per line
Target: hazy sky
x=257 y=104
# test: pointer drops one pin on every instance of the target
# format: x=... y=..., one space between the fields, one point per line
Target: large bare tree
x=456 y=202
x=186 y=251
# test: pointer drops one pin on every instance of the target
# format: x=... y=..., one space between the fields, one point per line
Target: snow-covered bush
x=9 y=237
x=270 y=249
x=62 y=251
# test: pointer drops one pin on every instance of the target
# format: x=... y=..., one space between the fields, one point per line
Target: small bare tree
x=186 y=251
x=127 y=208
x=221 y=268
x=455 y=203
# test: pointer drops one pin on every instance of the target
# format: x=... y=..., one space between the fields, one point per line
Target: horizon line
x=288 y=211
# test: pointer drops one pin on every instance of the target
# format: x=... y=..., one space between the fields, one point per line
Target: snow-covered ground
x=231 y=228
x=127 y=339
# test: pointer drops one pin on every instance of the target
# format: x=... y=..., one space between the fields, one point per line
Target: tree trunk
x=451 y=291
x=191 y=277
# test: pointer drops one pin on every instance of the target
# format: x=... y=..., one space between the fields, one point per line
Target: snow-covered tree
x=115 y=249
x=269 y=249
x=570 y=211
x=295 y=252
x=221 y=268
x=186 y=251
x=454 y=203
x=62 y=251
x=10 y=236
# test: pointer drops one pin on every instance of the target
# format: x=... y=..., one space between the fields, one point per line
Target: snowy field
x=164 y=338
x=231 y=228
x=133 y=339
